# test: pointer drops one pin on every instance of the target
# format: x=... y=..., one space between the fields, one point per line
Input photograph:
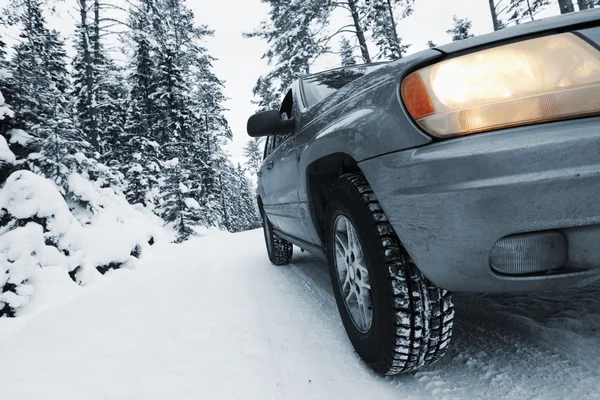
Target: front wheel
x=395 y=318
x=280 y=251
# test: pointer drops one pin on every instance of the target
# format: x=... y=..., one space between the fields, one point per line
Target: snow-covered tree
x=520 y=10
x=461 y=29
x=382 y=17
x=185 y=101
x=41 y=86
x=6 y=111
x=253 y=152
x=140 y=153
x=241 y=201
x=266 y=96
x=294 y=43
x=346 y=53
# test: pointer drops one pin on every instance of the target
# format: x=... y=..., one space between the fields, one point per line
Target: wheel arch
x=320 y=176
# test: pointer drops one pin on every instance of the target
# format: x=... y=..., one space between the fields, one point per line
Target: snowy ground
x=211 y=318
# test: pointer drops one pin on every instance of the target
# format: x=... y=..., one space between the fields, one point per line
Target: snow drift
x=95 y=230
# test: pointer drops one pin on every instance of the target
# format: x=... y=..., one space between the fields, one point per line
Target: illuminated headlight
x=537 y=80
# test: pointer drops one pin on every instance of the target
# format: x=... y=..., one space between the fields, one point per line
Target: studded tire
x=280 y=251
x=412 y=318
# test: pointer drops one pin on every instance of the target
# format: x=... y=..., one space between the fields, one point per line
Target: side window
x=319 y=86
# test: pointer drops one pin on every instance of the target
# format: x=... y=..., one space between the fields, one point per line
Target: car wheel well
x=321 y=175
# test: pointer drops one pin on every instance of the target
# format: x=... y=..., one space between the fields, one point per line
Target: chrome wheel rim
x=352 y=273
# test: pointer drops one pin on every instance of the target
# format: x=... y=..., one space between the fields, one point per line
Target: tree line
x=300 y=31
x=506 y=12
x=153 y=127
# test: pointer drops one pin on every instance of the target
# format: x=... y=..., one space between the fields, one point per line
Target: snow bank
x=94 y=231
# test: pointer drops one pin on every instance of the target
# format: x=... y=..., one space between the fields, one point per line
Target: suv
x=471 y=167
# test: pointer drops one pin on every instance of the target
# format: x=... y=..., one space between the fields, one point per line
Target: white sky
x=239 y=60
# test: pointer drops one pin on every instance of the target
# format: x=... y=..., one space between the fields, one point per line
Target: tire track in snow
x=312 y=328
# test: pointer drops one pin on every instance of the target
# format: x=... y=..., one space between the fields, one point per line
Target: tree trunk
x=494 y=15
x=566 y=6
x=359 y=31
x=89 y=77
x=530 y=11
x=393 y=22
x=223 y=202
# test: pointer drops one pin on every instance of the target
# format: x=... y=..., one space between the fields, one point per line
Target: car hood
x=557 y=24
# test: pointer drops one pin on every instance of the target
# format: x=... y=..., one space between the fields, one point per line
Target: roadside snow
x=212 y=319
x=95 y=231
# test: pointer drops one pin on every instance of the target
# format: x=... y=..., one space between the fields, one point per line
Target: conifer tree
x=346 y=53
x=461 y=29
x=266 y=97
x=41 y=86
x=253 y=152
x=141 y=153
x=382 y=22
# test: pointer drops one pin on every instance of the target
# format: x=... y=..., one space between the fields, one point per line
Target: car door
x=280 y=171
x=264 y=187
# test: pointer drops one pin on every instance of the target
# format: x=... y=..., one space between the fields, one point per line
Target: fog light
x=529 y=253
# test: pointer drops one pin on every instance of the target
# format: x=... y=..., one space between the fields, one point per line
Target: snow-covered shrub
x=94 y=231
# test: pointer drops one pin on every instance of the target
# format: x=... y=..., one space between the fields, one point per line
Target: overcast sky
x=239 y=60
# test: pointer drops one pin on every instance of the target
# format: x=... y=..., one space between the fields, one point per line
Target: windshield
x=319 y=86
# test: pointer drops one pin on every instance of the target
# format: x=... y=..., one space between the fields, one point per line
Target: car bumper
x=451 y=201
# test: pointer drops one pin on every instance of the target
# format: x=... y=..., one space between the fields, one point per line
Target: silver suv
x=470 y=167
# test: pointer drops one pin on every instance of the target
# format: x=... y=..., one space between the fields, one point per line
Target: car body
x=449 y=201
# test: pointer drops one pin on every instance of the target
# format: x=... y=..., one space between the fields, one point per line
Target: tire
x=280 y=251
x=411 y=319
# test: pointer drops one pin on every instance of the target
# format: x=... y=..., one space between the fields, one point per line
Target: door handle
x=269 y=165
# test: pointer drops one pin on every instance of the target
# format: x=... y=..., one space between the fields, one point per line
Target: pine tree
x=253 y=152
x=268 y=97
x=431 y=45
x=514 y=11
x=41 y=83
x=461 y=29
x=85 y=74
x=382 y=22
x=141 y=153
x=346 y=53
x=525 y=9
x=294 y=43
x=248 y=205
x=6 y=112
x=188 y=121
x=112 y=111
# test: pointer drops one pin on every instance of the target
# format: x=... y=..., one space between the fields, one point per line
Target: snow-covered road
x=213 y=319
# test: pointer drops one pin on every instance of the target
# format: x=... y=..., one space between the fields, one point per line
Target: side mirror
x=269 y=123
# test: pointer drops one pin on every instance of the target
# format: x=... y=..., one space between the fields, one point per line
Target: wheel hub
x=352 y=273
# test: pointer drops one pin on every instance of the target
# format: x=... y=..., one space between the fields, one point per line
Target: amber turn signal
x=415 y=96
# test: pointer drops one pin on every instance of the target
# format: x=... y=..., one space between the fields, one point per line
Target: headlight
x=537 y=80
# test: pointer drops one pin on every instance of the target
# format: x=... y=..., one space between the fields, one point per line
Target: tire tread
x=417 y=306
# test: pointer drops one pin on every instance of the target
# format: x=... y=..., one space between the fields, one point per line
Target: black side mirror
x=269 y=123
